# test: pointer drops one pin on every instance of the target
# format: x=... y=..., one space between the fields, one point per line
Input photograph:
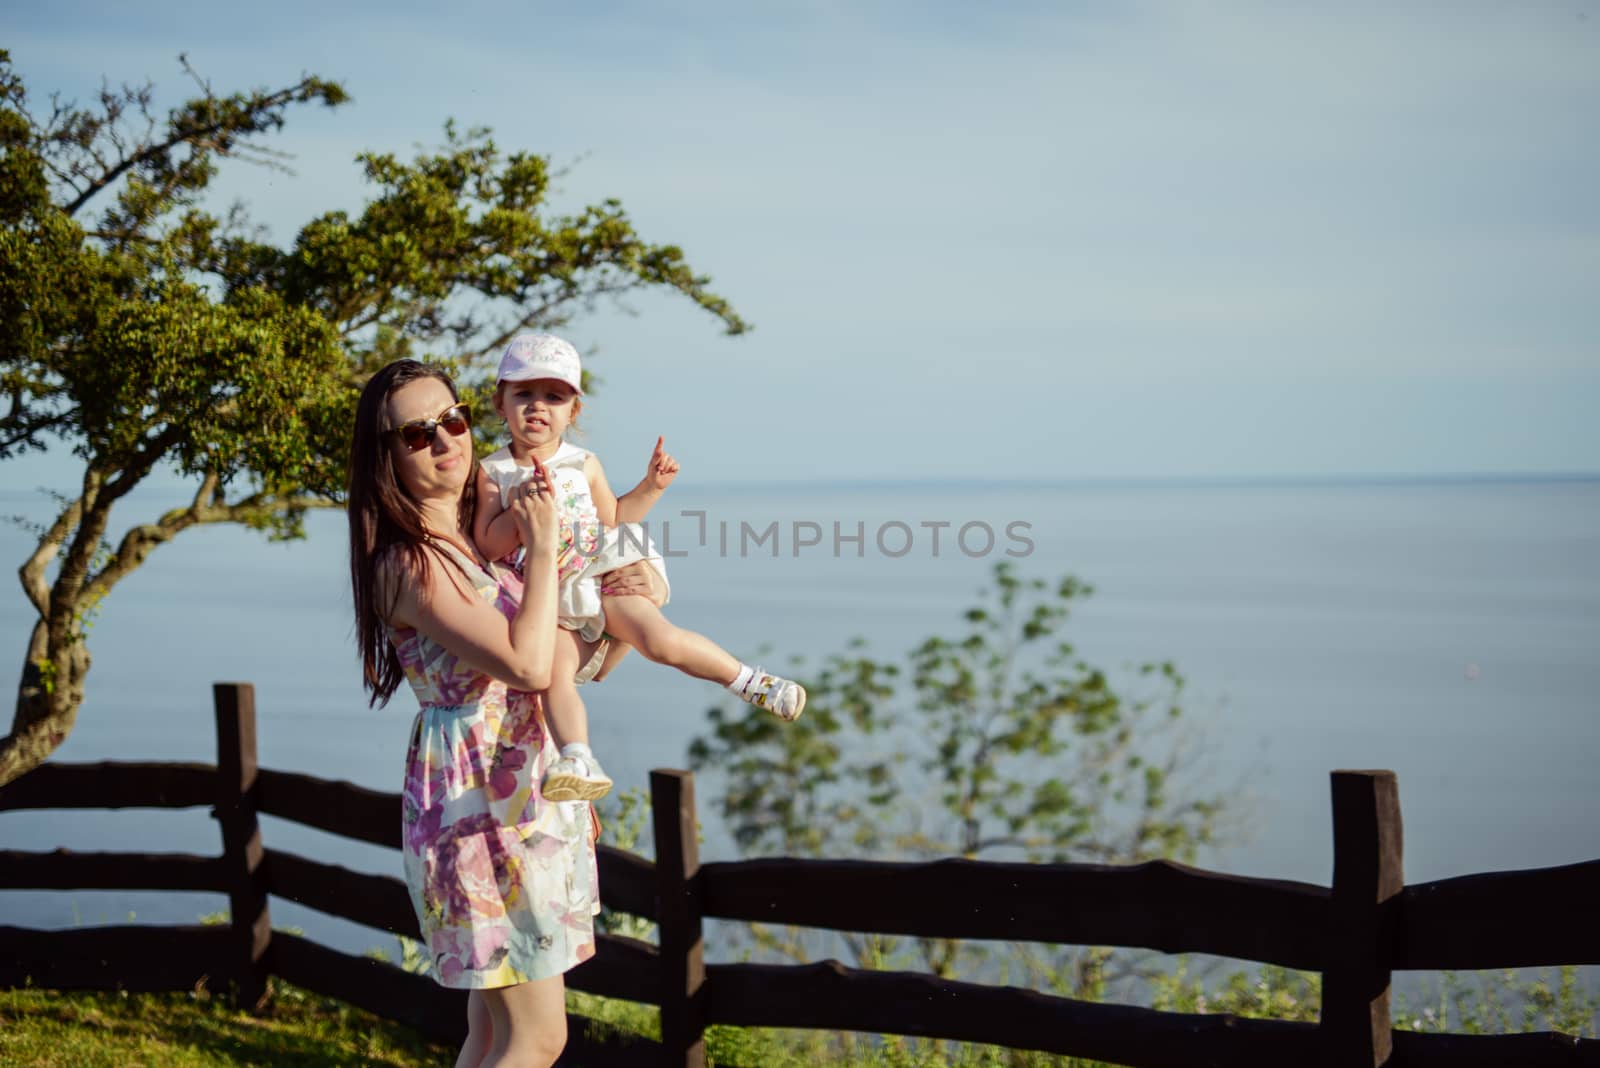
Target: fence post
x=683 y=968
x=241 y=839
x=1368 y=877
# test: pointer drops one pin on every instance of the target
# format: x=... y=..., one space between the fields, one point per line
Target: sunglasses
x=419 y=433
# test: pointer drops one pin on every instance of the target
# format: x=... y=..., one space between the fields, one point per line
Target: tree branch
x=126 y=235
x=354 y=325
x=137 y=466
x=65 y=596
x=26 y=434
x=203 y=137
x=540 y=315
x=140 y=541
x=207 y=491
x=32 y=571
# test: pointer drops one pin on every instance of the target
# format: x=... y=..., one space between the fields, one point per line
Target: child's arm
x=658 y=475
x=494 y=528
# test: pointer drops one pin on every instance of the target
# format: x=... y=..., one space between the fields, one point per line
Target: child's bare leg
x=563 y=708
x=656 y=596
x=617 y=650
x=638 y=622
x=577 y=775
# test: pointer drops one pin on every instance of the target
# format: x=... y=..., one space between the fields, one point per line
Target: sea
x=1447 y=629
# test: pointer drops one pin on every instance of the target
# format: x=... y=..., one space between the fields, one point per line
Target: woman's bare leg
x=530 y=1024
x=480 y=1032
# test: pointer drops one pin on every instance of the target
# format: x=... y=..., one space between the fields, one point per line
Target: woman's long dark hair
x=386 y=525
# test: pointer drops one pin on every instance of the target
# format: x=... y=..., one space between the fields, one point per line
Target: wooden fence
x=1356 y=932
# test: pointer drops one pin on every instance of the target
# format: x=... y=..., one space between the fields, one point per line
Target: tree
x=142 y=330
x=1001 y=743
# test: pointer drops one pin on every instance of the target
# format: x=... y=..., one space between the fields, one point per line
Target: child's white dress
x=588 y=550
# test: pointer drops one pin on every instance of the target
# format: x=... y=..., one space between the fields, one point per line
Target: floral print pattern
x=580 y=529
x=580 y=522
x=587 y=549
x=504 y=882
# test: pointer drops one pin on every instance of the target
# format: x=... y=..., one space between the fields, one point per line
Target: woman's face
x=438 y=469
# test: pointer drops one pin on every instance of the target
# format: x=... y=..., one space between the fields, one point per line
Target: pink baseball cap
x=531 y=356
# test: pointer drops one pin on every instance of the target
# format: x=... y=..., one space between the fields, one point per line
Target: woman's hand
x=637 y=579
x=533 y=506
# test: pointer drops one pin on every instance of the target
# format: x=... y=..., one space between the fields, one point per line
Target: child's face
x=537 y=412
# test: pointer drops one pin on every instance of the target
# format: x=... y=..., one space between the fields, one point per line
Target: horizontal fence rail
x=1535 y=920
x=831 y=996
x=1356 y=932
x=142 y=958
x=340 y=808
x=1539 y=1049
x=417 y=1001
x=622 y=967
x=63 y=869
x=1158 y=905
x=113 y=784
x=380 y=901
x=371 y=984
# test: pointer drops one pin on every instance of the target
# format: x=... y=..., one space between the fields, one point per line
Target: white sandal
x=781 y=697
x=575 y=779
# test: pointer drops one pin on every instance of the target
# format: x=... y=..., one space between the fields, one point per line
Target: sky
x=999 y=242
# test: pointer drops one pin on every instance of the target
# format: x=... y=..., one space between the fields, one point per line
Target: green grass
x=41 y=1028
x=50 y=1029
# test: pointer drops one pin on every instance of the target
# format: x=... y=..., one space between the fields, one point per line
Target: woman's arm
x=442 y=605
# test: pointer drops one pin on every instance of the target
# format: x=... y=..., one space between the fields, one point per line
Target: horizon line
x=1271 y=481
x=1180 y=481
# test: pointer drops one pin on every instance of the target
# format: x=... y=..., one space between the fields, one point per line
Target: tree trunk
x=47 y=702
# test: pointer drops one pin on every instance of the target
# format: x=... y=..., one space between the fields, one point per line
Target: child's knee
x=661 y=644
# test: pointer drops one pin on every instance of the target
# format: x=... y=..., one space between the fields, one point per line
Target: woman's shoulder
x=417 y=569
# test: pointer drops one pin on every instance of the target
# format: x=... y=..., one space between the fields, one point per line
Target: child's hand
x=663 y=468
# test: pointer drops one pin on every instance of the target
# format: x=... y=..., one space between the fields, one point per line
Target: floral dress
x=504 y=882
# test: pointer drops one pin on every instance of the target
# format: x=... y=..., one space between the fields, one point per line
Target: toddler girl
x=538 y=393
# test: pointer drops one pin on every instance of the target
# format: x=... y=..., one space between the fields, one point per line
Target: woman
x=503 y=881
